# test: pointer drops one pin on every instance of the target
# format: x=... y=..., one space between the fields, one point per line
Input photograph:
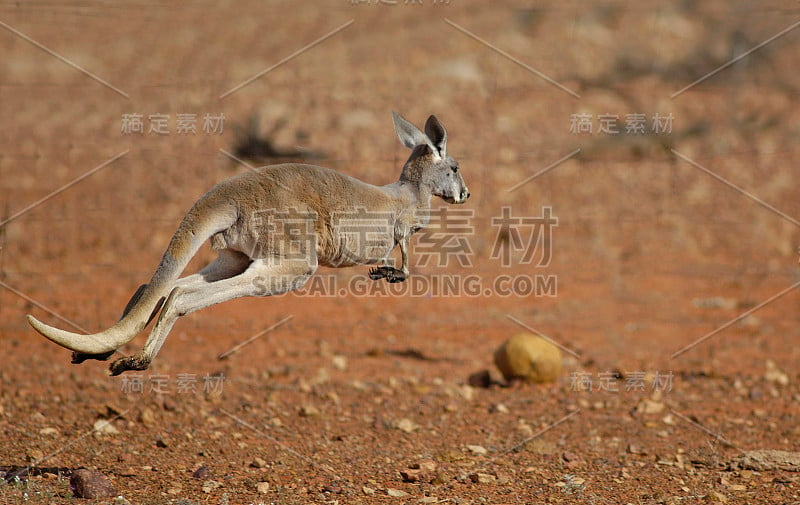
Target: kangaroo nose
x=464 y=195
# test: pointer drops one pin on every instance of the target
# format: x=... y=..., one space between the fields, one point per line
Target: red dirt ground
x=674 y=259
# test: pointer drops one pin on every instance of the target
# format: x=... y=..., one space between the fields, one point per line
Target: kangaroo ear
x=437 y=134
x=409 y=135
x=420 y=150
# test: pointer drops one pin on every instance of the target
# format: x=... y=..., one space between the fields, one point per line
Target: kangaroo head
x=429 y=166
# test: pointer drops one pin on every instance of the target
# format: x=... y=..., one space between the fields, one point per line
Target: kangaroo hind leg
x=260 y=278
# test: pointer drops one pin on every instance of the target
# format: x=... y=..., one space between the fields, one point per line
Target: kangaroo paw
x=391 y=274
x=377 y=273
x=130 y=363
x=79 y=357
x=396 y=276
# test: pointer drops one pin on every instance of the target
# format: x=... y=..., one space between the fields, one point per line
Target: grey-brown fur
x=249 y=220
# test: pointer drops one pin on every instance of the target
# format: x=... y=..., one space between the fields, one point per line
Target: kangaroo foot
x=136 y=362
x=391 y=274
x=79 y=357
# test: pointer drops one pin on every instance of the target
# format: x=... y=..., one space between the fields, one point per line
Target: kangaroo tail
x=200 y=223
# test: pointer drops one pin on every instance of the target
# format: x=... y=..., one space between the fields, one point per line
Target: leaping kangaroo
x=256 y=221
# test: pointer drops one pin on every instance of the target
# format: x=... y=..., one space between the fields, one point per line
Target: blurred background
x=664 y=233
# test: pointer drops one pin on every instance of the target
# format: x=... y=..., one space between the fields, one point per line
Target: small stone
x=396 y=493
x=339 y=362
x=569 y=456
x=422 y=471
x=262 y=487
x=368 y=490
x=530 y=358
x=481 y=379
x=482 y=478
x=258 y=463
x=715 y=497
x=635 y=449
x=477 y=449
x=426 y=465
x=104 y=427
x=48 y=431
x=147 y=417
x=648 y=406
x=411 y=475
x=775 y=374
x=333 y=488
x=202 y=473
x=769 y=460
x=406 y=425
x=210 y=485
x=499 y=408
x=308 y=411
x=90 y=484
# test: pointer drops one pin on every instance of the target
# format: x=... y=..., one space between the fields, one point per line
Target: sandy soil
x=669 y=280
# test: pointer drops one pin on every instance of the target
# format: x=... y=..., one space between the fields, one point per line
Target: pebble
x=104 y=427
x=210 y=485
x=768 y=460
x=715 y=497
x=90 y=484
x=775 y=374
x=499 y=408
x=481 y=379
x=333 y=488
x=528 y=357
x=477 y=449
x=202 y=473
x=569 y=456
x=635 y=449
x=147 y=417
x=406 y=425
x=396 y=493
x=422 y=471
x=309 y=411
x=262 y=487
x=48 y=431
x=258 y=463
x=339 y=362
x=648 y=406
x=482 y=478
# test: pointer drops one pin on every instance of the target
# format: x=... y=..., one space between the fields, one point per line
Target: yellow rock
x=529 y=358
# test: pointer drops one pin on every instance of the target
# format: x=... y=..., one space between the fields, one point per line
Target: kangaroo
x=273 y=227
